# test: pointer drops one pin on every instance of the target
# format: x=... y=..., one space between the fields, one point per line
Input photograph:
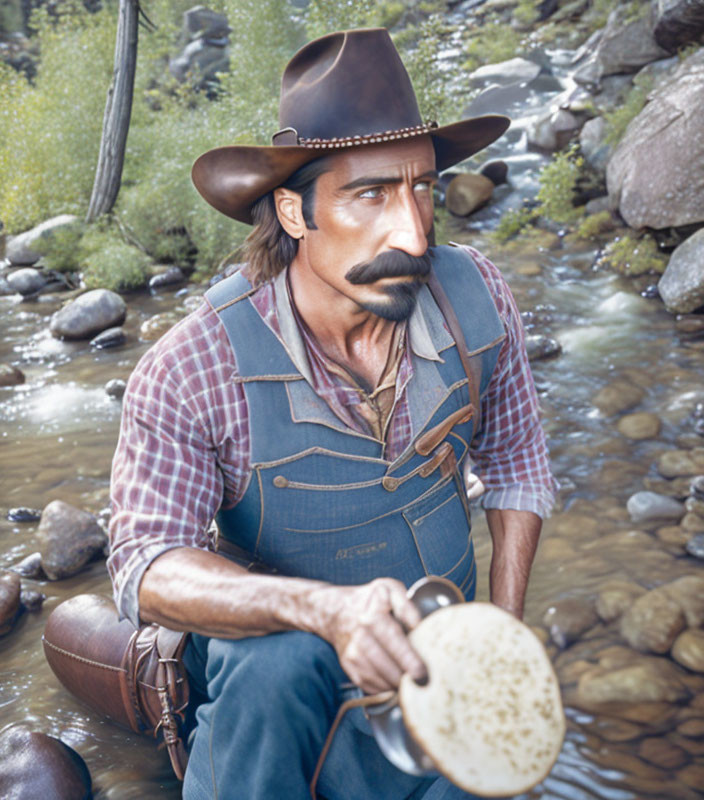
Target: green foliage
x=429 y=81
x=512 y=223
x=492 y=43
x=326 y=16
x=61 y=250
x=558 y=182
x=620 y=117
x=526 y=12
x=11 y=18
x=594 y=225
x=109 y=262
x=631 y=256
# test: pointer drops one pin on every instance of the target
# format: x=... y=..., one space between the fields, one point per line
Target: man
x=319 y=404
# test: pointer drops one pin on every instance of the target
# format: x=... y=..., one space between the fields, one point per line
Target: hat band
x=289 y=137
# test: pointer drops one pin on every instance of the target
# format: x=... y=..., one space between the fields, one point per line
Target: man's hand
x=365 y=624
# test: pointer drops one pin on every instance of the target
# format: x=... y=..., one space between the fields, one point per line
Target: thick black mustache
x=392 y=264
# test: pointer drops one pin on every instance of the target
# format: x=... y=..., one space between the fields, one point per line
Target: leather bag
x=134 y=676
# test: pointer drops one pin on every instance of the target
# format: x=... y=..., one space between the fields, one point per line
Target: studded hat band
x=289 y=137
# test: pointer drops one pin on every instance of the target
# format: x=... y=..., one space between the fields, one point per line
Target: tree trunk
x=118 y=110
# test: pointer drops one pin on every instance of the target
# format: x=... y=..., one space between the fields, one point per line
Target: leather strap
x=472 y=366
x=170 y=646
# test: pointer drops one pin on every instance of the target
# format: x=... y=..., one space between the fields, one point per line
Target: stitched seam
x=279 y=378
x=433 y=510
x=235 y=300
x=82 y=659
x=415 y=540
x=476 y=352
x=323 y=451
x=261 y=513
x=323 y=487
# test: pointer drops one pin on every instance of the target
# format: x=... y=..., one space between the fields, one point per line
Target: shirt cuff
x=520 y=497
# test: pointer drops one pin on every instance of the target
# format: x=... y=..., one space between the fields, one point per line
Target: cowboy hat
x=346 y=89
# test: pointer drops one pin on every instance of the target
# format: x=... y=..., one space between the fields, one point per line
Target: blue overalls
x=324 y=503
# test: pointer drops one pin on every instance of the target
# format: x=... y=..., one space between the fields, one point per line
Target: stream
x=58 y=431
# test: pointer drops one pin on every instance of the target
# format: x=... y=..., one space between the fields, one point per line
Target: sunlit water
x=58 y=432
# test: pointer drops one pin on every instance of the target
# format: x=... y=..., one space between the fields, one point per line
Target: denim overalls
x=323 y=502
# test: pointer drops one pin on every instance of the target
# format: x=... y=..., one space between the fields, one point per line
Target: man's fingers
x=404 y=611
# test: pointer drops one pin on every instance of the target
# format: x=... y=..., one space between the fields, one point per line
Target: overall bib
x=323 y=502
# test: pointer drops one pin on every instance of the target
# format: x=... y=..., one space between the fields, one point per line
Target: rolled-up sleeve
x=510 y=453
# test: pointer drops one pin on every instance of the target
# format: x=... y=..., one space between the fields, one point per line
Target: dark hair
x=268 y=248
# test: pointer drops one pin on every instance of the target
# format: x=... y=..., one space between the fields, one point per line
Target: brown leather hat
x=345 y=89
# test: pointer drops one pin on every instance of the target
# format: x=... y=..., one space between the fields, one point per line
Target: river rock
x=688 y=593
x=592 y=144
x=515 y=70
x=653 y=622
x=168 y=277
x=665 y=191
x=619 y=48
x=9 y=599
x=115 y=388
x=616 y=598
x=155 y=327
x=689 y=324
x=673 y=537
x=641 y=425
x=31 y=599
x=34 y=765
x=568 y=619
x=24 y=514
x=468 y=192
x=496 y=171
x=20 y=249
x=70 y=538
x=27 y=281
x=10 y=376
x=678 y=22
x=88 y=314
x=539 y=347
x=688 y=650
x=112 y=337
x=618 y=396
x=643 y=506
x=644 y=680
x=695 y=546
x=681 y=463
x=662 y=753
x=682 y=284
x=30 y=566
x=554 y=130
x=694 y=523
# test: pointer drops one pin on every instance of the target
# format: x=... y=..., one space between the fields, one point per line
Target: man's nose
x=407 y=231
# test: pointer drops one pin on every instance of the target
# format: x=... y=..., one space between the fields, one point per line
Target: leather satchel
x=134 y=676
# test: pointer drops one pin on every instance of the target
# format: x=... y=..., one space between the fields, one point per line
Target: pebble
x=693 y=728
x=693 y=523
x=169 y=277
x=496 y=171
x=662 y=753
x=688 y=593
x=641 y=425
x=10 y=375
x=695 y=505
x=568 y=619
x=643 y=506
x=697 y=487
x=645 y=680
x=467 y=192
x=616 y=598
x=112 y=337
x=30 y=566
x=539 y=347
x=673 y=536
x=115 y=388
x=653 y=622
x=9 y=600
x=695 y=546
x=27 y=281
x=677 y=463
x=617 y=397
x=689 y=324
x=155 y=327
x=23 y=514
x=69 y=538
x=31 y=599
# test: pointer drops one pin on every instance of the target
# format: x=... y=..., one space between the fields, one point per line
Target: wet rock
x=617 y=397
x=677 y=463
x=697 y=487
x=678 y=22
x=34 y=765
x=27 y=281
x=614 y=599
x=515 y=70
x=115 y=388
x=694 y=523
x=673 y=536
x=695 y=546
x=30 y=566
x=31 y=599
x=88 y=314
x=468 y=192
x=688 y=593
x=23 y=514
x=592 y=144
x=663 y=192
x=9 y=600
x=689 y=324
x=496 y=171
x=662 y=753
x=539 y=347
x=155 y=327
x=554 y=130
x=568 y=619
x=682 y=284
x=620 y=47
x=10 y=376
x=642 y=425
x=112 y=337
x=679 y=487
x=693 y=728
x=692 y=775
x=20 y=250
x=644 y=680
x=644 y=506
x=70 y=538
x=653 y=622
x=168 y=277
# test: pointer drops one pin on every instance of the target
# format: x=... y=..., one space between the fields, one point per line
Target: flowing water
x=58 y=432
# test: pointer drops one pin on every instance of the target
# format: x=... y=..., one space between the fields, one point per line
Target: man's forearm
x=515 y=537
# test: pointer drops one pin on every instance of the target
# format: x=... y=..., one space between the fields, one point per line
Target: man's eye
x=423 y=186
x=372 y=193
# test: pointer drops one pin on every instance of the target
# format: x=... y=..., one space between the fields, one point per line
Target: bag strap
x=472 y=366
x=173 y=691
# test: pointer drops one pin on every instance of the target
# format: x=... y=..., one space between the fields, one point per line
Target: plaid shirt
x=184 y=446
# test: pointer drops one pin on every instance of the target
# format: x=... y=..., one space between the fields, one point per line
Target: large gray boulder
x=69 y=538
x=620 y=47
x=21 y=249
x=678 y=22
x=91 y=313
x=655 y=176
x=682 y=284
x=206 y=51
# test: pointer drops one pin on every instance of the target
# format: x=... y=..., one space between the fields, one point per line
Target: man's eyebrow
x=382 y=180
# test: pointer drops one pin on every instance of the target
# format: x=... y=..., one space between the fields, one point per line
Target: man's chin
x=398 y=303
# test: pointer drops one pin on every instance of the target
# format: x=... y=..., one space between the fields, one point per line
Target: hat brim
x=233 y=178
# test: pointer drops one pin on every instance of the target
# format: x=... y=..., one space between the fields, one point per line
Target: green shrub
x=526 y=12
x=620 y=117
x=558 y=182
x=107 y=262
x=492 y=43
x=61 y=250
x=512 y=223
x=631 y=256
x=594 y=225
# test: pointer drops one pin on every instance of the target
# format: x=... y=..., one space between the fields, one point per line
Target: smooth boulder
x=678 y=22
x=69 y=538
x=10 y=375
x=10 y=588
x=88 y=314
x=644 y=506
x=643 y=680
x=682 y=284
x=665 y=191
x=468 y=192
x=653 y=622
x=688 y=650
x=27 y=281
x=568 y=619
x=25 y=248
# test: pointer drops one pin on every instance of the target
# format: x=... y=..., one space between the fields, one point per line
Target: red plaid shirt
x=184 y=447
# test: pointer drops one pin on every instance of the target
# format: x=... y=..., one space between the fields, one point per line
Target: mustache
x=392 y=264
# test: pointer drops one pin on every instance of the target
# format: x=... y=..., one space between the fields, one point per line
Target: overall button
x=280 y=482
x=389 y=483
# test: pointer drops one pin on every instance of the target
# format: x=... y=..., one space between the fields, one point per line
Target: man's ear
x=289 y=210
